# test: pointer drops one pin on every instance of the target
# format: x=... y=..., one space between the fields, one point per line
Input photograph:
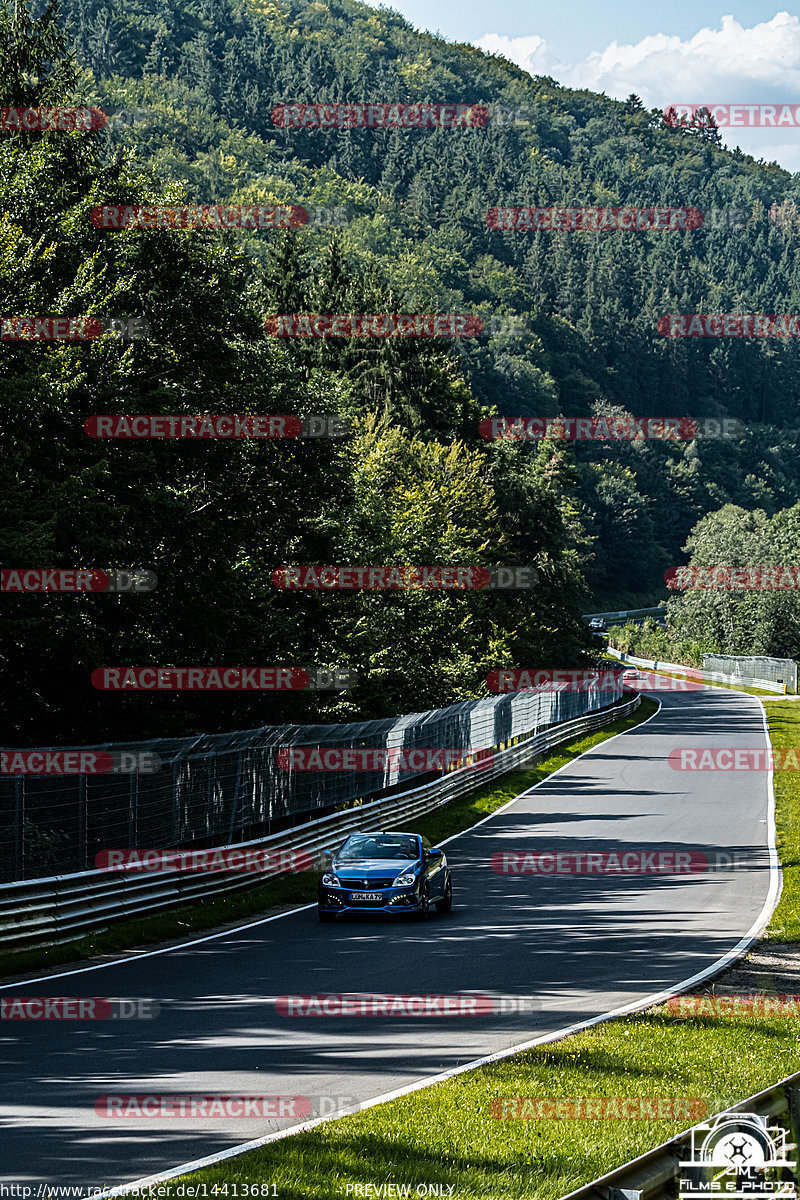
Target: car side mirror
x=435 y=853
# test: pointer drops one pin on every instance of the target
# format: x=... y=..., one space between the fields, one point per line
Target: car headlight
x=330 y=880
x=405 y=880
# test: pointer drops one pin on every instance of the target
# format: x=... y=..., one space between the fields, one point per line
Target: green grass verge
x=446 y=1134
x=271 y=896
x=784 y=731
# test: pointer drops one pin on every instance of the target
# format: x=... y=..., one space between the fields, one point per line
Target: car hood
x=373 y=868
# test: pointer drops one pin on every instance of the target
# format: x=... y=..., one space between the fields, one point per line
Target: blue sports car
x=396 y=874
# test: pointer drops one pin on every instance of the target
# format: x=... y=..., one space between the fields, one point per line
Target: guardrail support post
x=83 y=823
x=133 y=809
x=19 y=826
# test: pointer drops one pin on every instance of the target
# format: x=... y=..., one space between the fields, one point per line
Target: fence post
x=83 y=824
x=19 y=826
x=133 y=811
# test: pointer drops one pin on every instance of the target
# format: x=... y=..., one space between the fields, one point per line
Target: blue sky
x=745 y=52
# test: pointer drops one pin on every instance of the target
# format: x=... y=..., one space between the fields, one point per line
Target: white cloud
x=730 y=64
x=529 y=52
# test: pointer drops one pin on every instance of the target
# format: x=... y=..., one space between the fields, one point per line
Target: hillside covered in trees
x=416 y=482
x=208 y=77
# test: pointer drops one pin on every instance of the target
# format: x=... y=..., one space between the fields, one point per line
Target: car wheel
x=424 y=905
x=326 y=918
x=446 y=902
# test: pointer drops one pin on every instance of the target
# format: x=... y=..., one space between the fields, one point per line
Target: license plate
x=366 y=896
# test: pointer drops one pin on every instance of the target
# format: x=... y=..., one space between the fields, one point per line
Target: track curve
x=577 y=946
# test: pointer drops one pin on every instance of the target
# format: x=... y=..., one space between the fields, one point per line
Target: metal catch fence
x=64 y=907
x=750 y=669
x=217 y=789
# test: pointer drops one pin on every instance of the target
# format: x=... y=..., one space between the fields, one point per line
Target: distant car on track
x=395 y=874
x=597 y=624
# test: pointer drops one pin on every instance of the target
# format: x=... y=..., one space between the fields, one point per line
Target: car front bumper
x=394 y=902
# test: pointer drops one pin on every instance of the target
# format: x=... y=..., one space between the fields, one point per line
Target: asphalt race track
x=577 y=946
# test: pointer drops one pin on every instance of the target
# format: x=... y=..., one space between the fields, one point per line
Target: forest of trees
x=415 y=483
x=728 y=620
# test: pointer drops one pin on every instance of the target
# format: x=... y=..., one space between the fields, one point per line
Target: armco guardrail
x=766 y=685
x=658 y=611
x=654 y=1176
x=65 y=907
x=712 y=676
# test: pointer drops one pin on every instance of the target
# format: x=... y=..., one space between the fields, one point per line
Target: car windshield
x=389 y=845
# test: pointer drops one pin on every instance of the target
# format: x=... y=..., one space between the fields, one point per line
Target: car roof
x=385 y=833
